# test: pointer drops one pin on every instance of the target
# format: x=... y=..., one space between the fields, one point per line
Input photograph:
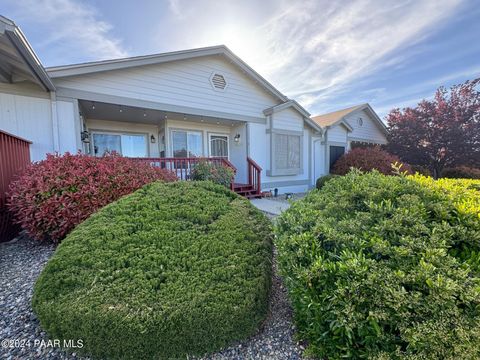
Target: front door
x=218 y=145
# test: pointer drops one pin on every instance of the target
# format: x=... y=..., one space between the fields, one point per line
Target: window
x=218 y=145
x=130 y=145
x=286 y=154
x=186 y=144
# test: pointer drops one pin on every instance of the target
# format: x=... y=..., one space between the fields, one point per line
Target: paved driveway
x=272 y=207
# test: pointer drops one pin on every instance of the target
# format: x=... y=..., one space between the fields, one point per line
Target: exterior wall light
x=237 y=138
x=85 y=136
x=152 y=139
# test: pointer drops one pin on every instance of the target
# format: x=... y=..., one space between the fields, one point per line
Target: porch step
x=242 y=187
x=246 y=190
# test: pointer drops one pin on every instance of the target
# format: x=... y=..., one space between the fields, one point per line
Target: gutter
x=20 y=43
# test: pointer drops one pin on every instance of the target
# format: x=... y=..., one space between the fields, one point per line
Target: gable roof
x=294 y=104
x=338 y=117
x=124 y=63
x=222 y=50
x=286 y=105
x=19 y=62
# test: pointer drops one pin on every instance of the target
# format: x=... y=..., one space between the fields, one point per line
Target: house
x=187 y=104
x=345 y=129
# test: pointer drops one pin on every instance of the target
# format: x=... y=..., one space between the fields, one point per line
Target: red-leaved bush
x=54 y=195
x=367 y=159
x=461 y=172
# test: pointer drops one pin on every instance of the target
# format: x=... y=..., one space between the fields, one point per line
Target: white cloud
x=313 y=49
x=351 y=41
x=68 y=27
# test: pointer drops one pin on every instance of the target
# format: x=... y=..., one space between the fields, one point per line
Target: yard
x=24 y=259
x=374 y=265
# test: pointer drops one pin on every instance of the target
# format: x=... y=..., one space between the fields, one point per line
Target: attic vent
x=218 y=81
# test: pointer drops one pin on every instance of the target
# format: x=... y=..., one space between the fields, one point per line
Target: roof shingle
x=333 y=117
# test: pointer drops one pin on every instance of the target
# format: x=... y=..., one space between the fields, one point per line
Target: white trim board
x=126 y=101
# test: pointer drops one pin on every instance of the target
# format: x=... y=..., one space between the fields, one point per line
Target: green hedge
x=170 y=270
x=322 y=180
x=375 y=268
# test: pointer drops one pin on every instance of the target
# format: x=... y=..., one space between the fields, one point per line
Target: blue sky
x=326 y=54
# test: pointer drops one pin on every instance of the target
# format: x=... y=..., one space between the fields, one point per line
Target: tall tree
x=439 y=133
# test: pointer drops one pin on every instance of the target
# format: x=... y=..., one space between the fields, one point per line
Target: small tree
x=439 y=133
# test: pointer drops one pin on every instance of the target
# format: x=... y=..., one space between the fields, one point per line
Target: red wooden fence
x=14 y=156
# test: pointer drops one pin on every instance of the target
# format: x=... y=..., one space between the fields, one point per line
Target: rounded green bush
x=168 y=271
x=373 y=269
x=322 y=180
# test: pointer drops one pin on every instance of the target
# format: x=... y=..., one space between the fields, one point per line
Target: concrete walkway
x=273 y=207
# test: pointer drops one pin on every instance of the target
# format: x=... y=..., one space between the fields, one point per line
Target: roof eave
x=383 y=127
x=21 y=44
x=292 y=103
x=314 y=125
x=286 y=105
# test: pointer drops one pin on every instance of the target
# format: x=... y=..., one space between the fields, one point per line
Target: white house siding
x=28 y=117
x=259 y=150
x=337 y=134
x=181 y=83
x=318 y=159
x=369 y=131
x=68 y=127
x=288 y=119
x=127 y=127
x=238 y=152
x=259 y=146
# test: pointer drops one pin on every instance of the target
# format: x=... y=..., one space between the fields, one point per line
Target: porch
x=171 y=140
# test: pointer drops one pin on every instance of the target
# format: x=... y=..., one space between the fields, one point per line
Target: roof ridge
x=343 y=109
x=136 y=57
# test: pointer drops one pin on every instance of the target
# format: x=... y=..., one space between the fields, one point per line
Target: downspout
x=55 y=125
x=314 y=161
x=327 y=152
x=270 y=143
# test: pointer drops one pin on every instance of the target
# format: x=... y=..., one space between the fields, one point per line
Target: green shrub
x=207 y=171
x=323 y=179
x=170 y=270
x=464 y=197
x=375 y=269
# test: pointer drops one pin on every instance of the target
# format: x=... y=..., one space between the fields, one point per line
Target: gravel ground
x=22 y=260
x=275 y=339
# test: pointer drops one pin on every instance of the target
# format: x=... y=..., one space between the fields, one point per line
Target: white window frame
x=273 y=171
x=187 y=131
x=210 y=143
x=120 y=133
